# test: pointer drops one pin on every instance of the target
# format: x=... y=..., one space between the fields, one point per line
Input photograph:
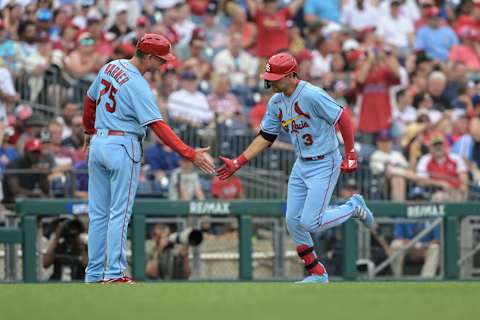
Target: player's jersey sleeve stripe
x=338 y=116
x=146 y=123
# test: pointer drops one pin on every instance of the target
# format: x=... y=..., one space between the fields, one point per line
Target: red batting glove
x=350 y=163
x=230 y=166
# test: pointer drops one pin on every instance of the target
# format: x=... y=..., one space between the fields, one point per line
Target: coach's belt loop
x=101 y=132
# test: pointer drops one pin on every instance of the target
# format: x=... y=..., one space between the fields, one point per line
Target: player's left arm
x=350 y=163
x=326 y=108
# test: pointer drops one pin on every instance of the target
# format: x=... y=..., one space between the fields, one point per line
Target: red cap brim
x=272 y=76
x=167 y=57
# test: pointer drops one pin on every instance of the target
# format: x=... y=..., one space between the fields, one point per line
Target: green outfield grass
x=169 y=301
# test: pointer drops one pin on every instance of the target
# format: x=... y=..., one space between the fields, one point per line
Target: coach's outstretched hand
x=350 y=163
x=203 y=161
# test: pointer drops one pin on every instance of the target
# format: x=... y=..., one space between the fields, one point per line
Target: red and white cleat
x=126 y=280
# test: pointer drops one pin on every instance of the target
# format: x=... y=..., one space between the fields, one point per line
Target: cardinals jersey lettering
x=309 y=116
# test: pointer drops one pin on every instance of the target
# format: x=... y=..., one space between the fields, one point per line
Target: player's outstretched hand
x=350 y=163
x=203 y=161
x=230 y=166
x=227 y=169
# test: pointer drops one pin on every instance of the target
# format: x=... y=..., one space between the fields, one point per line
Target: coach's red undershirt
x=89 y=115
x=161 y=129
x=168 y=136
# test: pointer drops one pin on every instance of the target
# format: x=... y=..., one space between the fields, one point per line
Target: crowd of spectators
x=407 y=70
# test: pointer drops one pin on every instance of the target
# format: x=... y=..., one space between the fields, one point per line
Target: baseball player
x=118 y=106
x=309 y=115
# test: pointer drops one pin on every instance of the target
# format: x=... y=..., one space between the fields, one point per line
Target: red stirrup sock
x=307 y=254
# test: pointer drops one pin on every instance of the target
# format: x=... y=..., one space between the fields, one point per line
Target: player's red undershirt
x=161 y=129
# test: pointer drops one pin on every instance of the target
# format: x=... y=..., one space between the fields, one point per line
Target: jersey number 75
x=112 y=91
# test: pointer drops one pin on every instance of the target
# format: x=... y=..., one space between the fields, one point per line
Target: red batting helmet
x=156 y=45
x=279 y=66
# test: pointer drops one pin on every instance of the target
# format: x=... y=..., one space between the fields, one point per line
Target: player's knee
x=309 y=224
x=292 y=223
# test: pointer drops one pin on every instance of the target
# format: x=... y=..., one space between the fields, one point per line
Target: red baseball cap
x=279 y=66
x=33 y=145
x=156 y=45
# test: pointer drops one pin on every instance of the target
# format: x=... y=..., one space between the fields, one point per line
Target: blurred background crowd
x=407 y=70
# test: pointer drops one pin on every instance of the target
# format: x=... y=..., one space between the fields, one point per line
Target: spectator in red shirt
x=257 y=112
x=68 y=39
x=378 y=72
x=229 y=189
x=471 y=18
x=95 y=28
x=239 y=24
x=468 y=51
x=426 y=5
x=272 y=25
x=446 y=173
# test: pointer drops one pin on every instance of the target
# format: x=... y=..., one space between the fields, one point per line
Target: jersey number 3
x=307 y=139
x=112 y=91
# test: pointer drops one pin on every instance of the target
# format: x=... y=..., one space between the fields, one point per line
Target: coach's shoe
x=315 y=278
x=126 y=280
x=361 y=211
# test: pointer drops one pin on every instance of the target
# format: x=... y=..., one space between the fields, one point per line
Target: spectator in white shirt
x=359 y=15
x=240 y=65
x=392 y=164
x=7 y=96
x=321 y=57
x=404 y=113
x=408 y=9
x=184 y=26
x=396 y=30
x=188 y=104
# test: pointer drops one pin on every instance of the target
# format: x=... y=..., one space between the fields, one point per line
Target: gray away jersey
x=124 y=99
x=309 y=115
